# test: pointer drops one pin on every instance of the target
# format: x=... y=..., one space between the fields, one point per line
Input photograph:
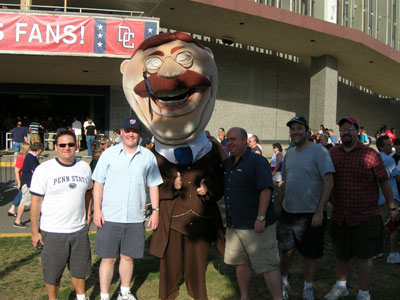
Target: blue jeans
x=89 y=142
x=17 y=198
x=16 y=146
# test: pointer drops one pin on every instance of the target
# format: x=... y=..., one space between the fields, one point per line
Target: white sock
x=285 y=280
x=341 y=283
x=307 y=285
x=104 y=296
x=80 y=297
x=363 y=293
x=124 y=289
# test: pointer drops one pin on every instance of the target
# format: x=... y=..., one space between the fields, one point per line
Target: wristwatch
x=261 y=218
x=156 y=209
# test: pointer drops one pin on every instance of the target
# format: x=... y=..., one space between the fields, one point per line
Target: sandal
x=10 y=214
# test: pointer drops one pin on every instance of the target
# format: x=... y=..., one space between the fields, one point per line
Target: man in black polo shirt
x=251 y=233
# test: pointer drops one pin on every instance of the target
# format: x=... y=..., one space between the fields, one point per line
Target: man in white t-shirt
x=61 y=192
x=77 y=128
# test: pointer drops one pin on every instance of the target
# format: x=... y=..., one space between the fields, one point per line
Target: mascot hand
x=178 y=181
x=202 y=190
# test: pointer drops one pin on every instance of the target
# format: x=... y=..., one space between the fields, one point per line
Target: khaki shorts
x=245 y=246
x=35 y=138
x=26 y=196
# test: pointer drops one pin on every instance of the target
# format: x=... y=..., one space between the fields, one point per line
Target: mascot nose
x=170 y=69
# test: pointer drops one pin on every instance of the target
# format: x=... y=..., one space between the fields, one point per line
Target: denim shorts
x=294 y=231
x=120 y=238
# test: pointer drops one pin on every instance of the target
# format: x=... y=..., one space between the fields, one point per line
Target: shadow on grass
x=19 y=263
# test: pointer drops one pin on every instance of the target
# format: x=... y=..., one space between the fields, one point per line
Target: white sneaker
x=285 y=290
x=337 y=292
x=363 y=297
x=126 y=296
x=308 y=294
x=393 y=259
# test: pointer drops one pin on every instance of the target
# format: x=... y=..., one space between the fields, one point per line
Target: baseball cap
x=351 y=120
x=298 y=119
x=132 y=122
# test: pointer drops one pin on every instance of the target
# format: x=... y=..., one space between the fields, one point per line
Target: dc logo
x=125 y=36
x=72 y=186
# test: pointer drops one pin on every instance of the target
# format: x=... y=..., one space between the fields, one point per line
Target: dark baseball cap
x=351 y=120
x=132 y=122
x=298 y=119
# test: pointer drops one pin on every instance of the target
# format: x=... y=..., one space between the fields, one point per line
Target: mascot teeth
x=173 y=98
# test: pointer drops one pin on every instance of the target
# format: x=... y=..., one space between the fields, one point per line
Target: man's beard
x=347 y=142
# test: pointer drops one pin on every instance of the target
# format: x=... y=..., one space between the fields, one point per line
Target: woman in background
x=23 y=151
x=276 y=161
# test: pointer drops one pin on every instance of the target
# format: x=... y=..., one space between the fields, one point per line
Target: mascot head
x=171 y=83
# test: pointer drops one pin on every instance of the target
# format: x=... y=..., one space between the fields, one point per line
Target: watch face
x=261 y=218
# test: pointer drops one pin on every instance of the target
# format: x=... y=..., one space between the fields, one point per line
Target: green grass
x=21 y=276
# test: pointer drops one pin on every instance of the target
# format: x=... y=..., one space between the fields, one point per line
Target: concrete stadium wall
x=261 y=92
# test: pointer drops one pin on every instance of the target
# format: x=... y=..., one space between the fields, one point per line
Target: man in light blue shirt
x=121 y=176
x=385 y=148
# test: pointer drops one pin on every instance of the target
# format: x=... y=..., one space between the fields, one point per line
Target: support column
x=323 y=92
x=25 y=4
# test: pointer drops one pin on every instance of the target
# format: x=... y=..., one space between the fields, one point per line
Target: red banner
x=27 y=33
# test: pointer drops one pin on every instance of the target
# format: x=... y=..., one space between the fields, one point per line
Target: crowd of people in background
x=324 y=169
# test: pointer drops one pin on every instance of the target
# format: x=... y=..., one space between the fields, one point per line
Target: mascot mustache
x=154 y=87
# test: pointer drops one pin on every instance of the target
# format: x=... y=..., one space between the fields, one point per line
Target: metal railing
x=77 y=10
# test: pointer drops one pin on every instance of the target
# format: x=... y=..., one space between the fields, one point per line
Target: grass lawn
x=21 y=276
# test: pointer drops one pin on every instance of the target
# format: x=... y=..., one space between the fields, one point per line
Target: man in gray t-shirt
x=307 y=184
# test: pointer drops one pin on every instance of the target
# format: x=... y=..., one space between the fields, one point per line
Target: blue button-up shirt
x=243 y=183
x=125 y=180
x=391 y=169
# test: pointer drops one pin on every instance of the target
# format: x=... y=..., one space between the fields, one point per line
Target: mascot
x=171 y=83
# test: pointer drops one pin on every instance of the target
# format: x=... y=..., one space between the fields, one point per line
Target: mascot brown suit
x=171 y=83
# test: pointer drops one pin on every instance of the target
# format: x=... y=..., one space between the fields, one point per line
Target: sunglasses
x=64 y=145
x=103 y=144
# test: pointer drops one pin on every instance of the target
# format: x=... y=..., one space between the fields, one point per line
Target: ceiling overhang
x=361 y=58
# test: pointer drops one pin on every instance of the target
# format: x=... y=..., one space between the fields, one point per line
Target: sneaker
x=126 y=296
x=337 y=292
x=285 y=290
x=380 y=255
x=394 y=259
x=16 y=225
x=308 y=294
x=363 y=297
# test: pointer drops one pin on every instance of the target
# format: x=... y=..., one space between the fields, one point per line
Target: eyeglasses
x=349 y=129
x=64 y=145
x=154 y=62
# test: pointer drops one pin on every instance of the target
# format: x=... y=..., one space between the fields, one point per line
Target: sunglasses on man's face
x=64 y=145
